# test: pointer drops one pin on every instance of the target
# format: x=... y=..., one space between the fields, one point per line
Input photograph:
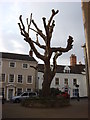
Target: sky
x=68 y=21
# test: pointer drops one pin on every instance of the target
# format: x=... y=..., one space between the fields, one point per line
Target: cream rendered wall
x=80 y=78
x=18 y=70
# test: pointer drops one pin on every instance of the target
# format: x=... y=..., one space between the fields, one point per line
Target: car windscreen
x=24 y=94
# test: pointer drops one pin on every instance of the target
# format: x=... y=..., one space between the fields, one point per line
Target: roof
x=16 y=56
x=77 y=69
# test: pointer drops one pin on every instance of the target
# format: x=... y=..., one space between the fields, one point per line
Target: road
x=75 y=110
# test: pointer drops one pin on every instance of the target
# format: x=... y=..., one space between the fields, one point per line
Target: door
x=75 y=92
x=10 y=93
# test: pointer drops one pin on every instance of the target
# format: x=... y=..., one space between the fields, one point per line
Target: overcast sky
x=67 y=22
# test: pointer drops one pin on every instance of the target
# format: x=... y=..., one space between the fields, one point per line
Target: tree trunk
x=47 y=80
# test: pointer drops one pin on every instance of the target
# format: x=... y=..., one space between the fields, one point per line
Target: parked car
x=64 y=94
x=23 y=96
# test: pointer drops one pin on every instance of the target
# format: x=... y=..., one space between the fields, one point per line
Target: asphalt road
x=75 y=110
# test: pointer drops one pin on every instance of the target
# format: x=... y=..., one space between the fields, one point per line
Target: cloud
x=67 y=22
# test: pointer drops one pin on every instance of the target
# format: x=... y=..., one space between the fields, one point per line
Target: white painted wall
x=81 y=80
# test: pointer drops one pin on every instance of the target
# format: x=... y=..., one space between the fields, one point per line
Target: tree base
x=46 y=102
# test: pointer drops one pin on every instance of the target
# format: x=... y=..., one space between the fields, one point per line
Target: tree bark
x=47 y=79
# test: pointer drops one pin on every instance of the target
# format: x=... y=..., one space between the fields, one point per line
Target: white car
x=22 y=96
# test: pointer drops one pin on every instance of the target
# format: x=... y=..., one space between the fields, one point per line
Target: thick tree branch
x=57 y=54
x=38 y=30
x=29 y=23
x=28 y=39
x=53 y=14
x=69 y=46
x=36 y=68
x=45 y=26
x=23 y=32
x=39 y=45
x=20 y=18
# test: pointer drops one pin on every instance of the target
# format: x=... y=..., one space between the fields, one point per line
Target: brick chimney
x=73 y=60
x=31 y=53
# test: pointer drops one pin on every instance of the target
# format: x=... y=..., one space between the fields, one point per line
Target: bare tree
x=48 y=50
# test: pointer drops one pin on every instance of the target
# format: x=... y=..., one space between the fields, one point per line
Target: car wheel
x=17 y=101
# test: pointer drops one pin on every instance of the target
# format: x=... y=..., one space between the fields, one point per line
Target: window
x=20 y=78
x=2 y=78
x=74 y=81
x=29 y=79
x=25 y=65
x=3 y=91
x=11 y=78
x=66 y=81
x=19 y=91
x=12 y=64
x=28 y=89
x=56 y=81
x=75 y=91
x=66 y=69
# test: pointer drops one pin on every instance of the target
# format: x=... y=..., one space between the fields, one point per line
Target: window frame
x=22 y=79
x=57 y=81
x=12 y=66
x=31 y=79
x=73 y=81
x=25 y=67
x=1 y=78
x=65 y=81
x=9 y=78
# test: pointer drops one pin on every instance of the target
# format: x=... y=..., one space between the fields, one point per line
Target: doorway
x=10 y=93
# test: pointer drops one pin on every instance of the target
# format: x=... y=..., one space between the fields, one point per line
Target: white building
x=18 y=73
x=67 y=77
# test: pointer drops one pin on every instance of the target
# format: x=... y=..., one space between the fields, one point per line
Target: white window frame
x=22 y=79
x=1 y=78
x=27 y=79
x=58 y=80
x=9 y=76
x=73 y=81
x=12 y=62
x=27 y=65
x=65 y=82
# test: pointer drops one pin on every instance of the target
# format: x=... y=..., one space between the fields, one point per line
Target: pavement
x=77 y=109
